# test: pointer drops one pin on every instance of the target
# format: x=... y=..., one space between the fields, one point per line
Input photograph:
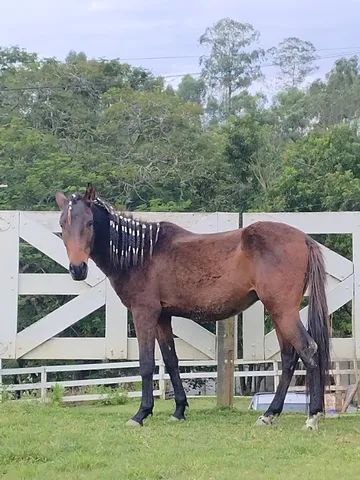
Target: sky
x=156 y=28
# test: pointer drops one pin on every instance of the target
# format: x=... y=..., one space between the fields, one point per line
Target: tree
x=253 y=151
x=338 y=98
x=292 y=113
x=232 y=65
x=320 y=171
x=295 y=58
x=13 y=57
x=191 y=89
x=33 y=165
x=158 y=152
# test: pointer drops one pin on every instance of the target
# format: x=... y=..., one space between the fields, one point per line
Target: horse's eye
x=61 y=225
x=90 y=223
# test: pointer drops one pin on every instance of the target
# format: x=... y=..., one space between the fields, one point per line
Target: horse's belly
x=202 y=311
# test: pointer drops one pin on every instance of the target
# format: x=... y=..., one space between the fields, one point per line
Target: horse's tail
x=318 y=317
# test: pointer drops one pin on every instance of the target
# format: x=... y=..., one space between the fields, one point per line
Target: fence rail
x=43 y=385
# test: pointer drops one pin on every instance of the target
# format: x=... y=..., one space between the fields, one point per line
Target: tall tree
x=295 y=58
x=232 y=64
x=191 y=89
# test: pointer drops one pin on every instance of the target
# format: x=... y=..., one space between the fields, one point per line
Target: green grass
x=92 y=442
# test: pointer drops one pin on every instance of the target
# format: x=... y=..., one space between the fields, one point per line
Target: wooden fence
x=43 y=339
x=38 y=383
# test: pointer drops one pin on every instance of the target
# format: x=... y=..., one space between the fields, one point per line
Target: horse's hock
x=42 y=339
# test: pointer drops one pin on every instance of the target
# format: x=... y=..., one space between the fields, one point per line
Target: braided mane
x=130 y=241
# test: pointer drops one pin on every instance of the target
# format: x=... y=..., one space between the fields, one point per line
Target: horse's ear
x=61 y=200
x=90 y=193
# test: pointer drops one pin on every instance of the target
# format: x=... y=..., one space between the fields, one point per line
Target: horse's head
x=76 y=221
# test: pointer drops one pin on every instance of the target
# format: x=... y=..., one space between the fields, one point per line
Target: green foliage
x=57 y=394
x=33 y=164
x=320 y=171
x=191 y=89
x=13 y=58
x=5 y=394
x=112 y=396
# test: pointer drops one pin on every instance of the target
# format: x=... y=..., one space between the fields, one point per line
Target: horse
x=160 y=269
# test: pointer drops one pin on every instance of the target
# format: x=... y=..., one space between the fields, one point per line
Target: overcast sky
x=152 y=28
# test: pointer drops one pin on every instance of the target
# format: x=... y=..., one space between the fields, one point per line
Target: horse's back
x=266 y=237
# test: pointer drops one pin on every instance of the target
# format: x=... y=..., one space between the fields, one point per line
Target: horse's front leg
x=145 y=325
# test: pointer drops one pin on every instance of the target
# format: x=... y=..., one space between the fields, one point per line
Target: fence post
x=225 y=362
x=162 y=382
x=276 y=374
x=43 y=381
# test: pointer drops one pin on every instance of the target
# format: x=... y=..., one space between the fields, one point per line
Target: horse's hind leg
x=289 y=358
x=317 y=394
x=165 y=339
x=307 y=349
x=293 y=332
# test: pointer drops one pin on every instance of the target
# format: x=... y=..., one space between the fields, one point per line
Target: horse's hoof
x=264 y=421
x=133 y=423
x=312 y=423
x=311 y=426
x=172 y=418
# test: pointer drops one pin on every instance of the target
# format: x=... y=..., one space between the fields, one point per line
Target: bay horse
x=160 y=269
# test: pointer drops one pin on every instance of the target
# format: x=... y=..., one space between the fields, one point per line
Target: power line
x=175 y=57
x=266 y=65
x=168 y=57
x=175 y=75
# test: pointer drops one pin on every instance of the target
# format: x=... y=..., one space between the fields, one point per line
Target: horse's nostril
x=84 y=268
x=78 y=272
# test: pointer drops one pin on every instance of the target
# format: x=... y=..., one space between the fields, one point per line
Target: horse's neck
x=100 y=252
x=100 y=248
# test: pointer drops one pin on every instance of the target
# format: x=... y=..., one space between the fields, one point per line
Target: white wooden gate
x=343 y=283
x=41 y=340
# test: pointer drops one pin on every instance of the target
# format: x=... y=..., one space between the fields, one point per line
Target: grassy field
x=92 y=442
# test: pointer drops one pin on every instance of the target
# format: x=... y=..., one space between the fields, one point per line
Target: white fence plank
x=61 y=348
x=67 y=348
x=253 y=332
x=337 y=266
x=116 y=325
x=195 y=335
x=9 y=267
x=200 y=222
x=342 y=349
x=50 y=284
x=60 y=319
x=310 y=222
x=184 y=350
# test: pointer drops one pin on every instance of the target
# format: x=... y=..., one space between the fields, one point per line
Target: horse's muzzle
x=78 y=272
